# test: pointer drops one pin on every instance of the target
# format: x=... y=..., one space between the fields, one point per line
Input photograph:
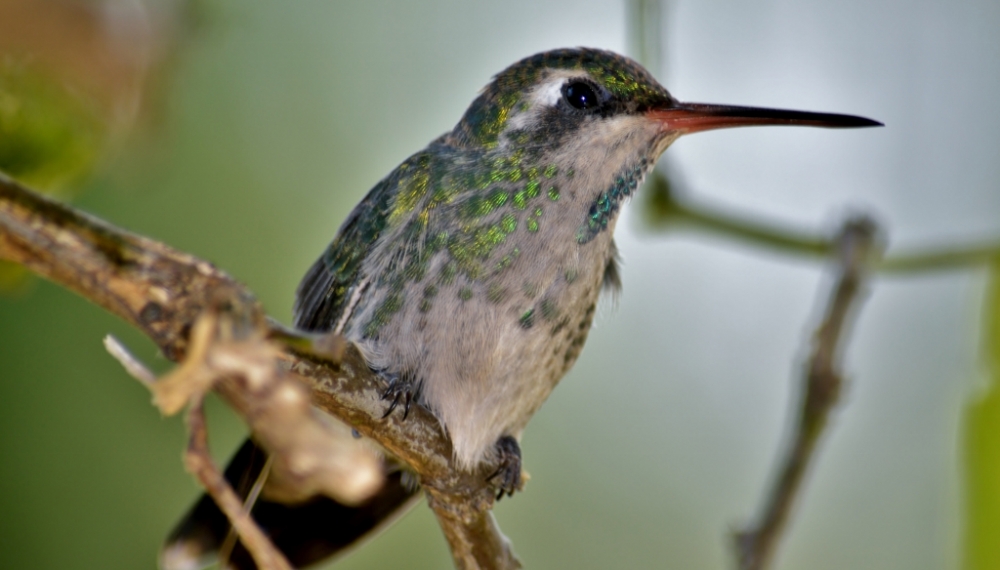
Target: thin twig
x=940 y=260
x=226 y=549
x=129 y=362
x=857 y=252
x=199 y=462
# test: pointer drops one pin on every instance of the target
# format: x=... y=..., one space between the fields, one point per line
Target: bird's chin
x=667 y=138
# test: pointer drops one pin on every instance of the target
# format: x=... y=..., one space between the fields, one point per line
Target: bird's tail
x=305 y=532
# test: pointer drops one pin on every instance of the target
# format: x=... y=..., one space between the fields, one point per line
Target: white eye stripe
x=550 y=93
x=544 y=96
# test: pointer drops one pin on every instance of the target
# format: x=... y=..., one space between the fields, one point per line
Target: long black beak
x=697 y=117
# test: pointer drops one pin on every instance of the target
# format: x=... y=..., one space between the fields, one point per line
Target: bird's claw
x=508 y=473
x=400 y=391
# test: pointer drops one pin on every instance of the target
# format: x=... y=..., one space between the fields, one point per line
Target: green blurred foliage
x=50 y=138
x=50 y=135
x=13 y=278
x=982 y=449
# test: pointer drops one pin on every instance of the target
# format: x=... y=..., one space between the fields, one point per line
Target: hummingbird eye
x=581 y=95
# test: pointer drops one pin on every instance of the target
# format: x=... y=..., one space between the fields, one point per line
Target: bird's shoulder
x=399 y=203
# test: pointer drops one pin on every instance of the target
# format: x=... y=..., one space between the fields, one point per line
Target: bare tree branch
x=857 y=252
x=165 y=293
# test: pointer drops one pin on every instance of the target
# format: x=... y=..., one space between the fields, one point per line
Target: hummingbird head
x=601 y=118
x=553 y=97
x=599 y=98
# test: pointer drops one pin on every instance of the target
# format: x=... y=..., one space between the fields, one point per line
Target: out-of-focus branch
x=857 y=252
x=170 y=295
x=644 y=20
x=665 y=209
x=199 y=462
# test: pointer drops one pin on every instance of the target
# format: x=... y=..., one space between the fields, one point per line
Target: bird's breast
x=485 y=298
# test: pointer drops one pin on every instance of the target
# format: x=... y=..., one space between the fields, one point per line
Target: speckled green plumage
x=488 y=200
x=501 y=191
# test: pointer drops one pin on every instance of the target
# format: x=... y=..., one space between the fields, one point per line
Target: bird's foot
x=401 y=390
x=507 y=477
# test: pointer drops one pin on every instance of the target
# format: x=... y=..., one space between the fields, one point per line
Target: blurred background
x=245 y=131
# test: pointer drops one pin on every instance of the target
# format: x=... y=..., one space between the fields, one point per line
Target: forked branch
x=166 y=294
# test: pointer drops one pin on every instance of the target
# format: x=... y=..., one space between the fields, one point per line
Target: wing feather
x=325 y=291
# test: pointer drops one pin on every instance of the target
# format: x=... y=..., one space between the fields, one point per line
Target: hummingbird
x=470 y=275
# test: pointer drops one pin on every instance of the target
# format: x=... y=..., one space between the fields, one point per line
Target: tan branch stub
x=195 y=376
